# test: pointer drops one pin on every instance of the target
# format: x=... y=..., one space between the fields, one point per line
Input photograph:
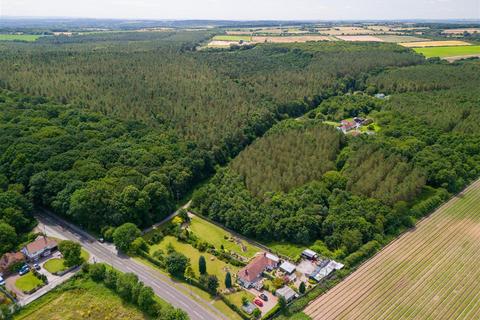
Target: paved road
x=162 y=285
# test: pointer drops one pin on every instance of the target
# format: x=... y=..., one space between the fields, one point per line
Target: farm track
x=427 y=273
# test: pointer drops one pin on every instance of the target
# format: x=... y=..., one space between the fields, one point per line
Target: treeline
x=94 y=170
x=133 y=291
x=427 y=146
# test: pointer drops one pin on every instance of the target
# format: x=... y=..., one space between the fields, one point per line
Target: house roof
x=309 y=253
x=255 y=268
x=287 y=267
x=41 y=243
x=272 y=257
x=286 y=292
x=9 y=259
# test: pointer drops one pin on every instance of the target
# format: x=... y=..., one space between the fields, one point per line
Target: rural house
x=252 y=272
x=41 y=247
x=347 y=125
x=10 y=259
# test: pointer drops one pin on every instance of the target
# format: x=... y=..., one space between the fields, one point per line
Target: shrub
x=97 y=272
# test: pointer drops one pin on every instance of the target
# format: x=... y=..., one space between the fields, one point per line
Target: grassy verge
x=80 y=299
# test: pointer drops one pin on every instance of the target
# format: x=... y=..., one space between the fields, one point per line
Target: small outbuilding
x=286 y=292
x=287 y=267
x=309 y=254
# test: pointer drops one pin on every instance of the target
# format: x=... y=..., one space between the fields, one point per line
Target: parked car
x=37 y=266
x=263 y=297
x=258 y=302
x=101 y=240
x=23 y=271
x=2 y=281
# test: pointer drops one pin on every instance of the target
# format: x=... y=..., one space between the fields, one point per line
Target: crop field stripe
x=393 y=246
x=419 y=270
x=381 y=294
x=436 y=221
x=439 y=283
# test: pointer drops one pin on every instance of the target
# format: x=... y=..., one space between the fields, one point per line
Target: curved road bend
x=162 y=285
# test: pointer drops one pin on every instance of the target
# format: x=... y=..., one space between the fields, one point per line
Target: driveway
x=267 y=305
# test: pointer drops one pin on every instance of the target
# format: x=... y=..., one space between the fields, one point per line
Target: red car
x=258 y=302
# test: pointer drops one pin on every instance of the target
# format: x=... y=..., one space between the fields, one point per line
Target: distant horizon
x=472 y=20
x=246 y=10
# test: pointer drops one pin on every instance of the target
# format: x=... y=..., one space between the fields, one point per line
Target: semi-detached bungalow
x=41 y=247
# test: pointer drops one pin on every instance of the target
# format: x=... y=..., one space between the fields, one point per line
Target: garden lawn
x=452 y=51
x=215 y=235
x=84 y=299
x=55 y=265
x=28 y=282
x=236 y=298
x=216 y=267
x=290 y=250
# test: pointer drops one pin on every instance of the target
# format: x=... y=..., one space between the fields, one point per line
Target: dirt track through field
x=427 y=273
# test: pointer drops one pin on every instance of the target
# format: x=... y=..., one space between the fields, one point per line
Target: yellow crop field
x=421 y=44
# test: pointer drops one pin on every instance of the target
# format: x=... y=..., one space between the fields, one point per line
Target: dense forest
x=428 y=146
x=93 y=169
x=221 y=100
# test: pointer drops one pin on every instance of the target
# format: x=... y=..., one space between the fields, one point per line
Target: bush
x=72 y=253
x=176 y=263
x=97 y=272
x=364 y=252
x=138 y=245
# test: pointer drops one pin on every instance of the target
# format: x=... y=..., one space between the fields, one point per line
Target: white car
x=2 y=281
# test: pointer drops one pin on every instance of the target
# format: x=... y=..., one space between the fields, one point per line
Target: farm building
x=41 y=247
x=10 y=259
x=347 y=125
x=324 y=269
x=287 y=267
x=252 y=272
x=287 y=293
x=309 y=254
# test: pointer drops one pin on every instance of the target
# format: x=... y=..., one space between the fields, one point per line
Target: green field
x=217 y=236
x=232 y=38
x=214 y=266
x=28 y=282
x=84 y=299
x=448 y=51
x=19 y=37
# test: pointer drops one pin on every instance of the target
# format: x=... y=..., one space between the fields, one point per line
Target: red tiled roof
x=40 y=244
x=253 y=270
x=9 y=259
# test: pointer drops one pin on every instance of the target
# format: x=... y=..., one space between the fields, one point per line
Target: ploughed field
x=430 y=272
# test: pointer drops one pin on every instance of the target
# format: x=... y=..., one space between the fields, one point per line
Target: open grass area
x=446 y=43
x=217 y=236
x=19 y=37
x=84 y=299
x=430 y=272
x=214 y=265
x=232 y=38
x=28 y=282
x=448 y=51
x=290 y=250
x=55 y=265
